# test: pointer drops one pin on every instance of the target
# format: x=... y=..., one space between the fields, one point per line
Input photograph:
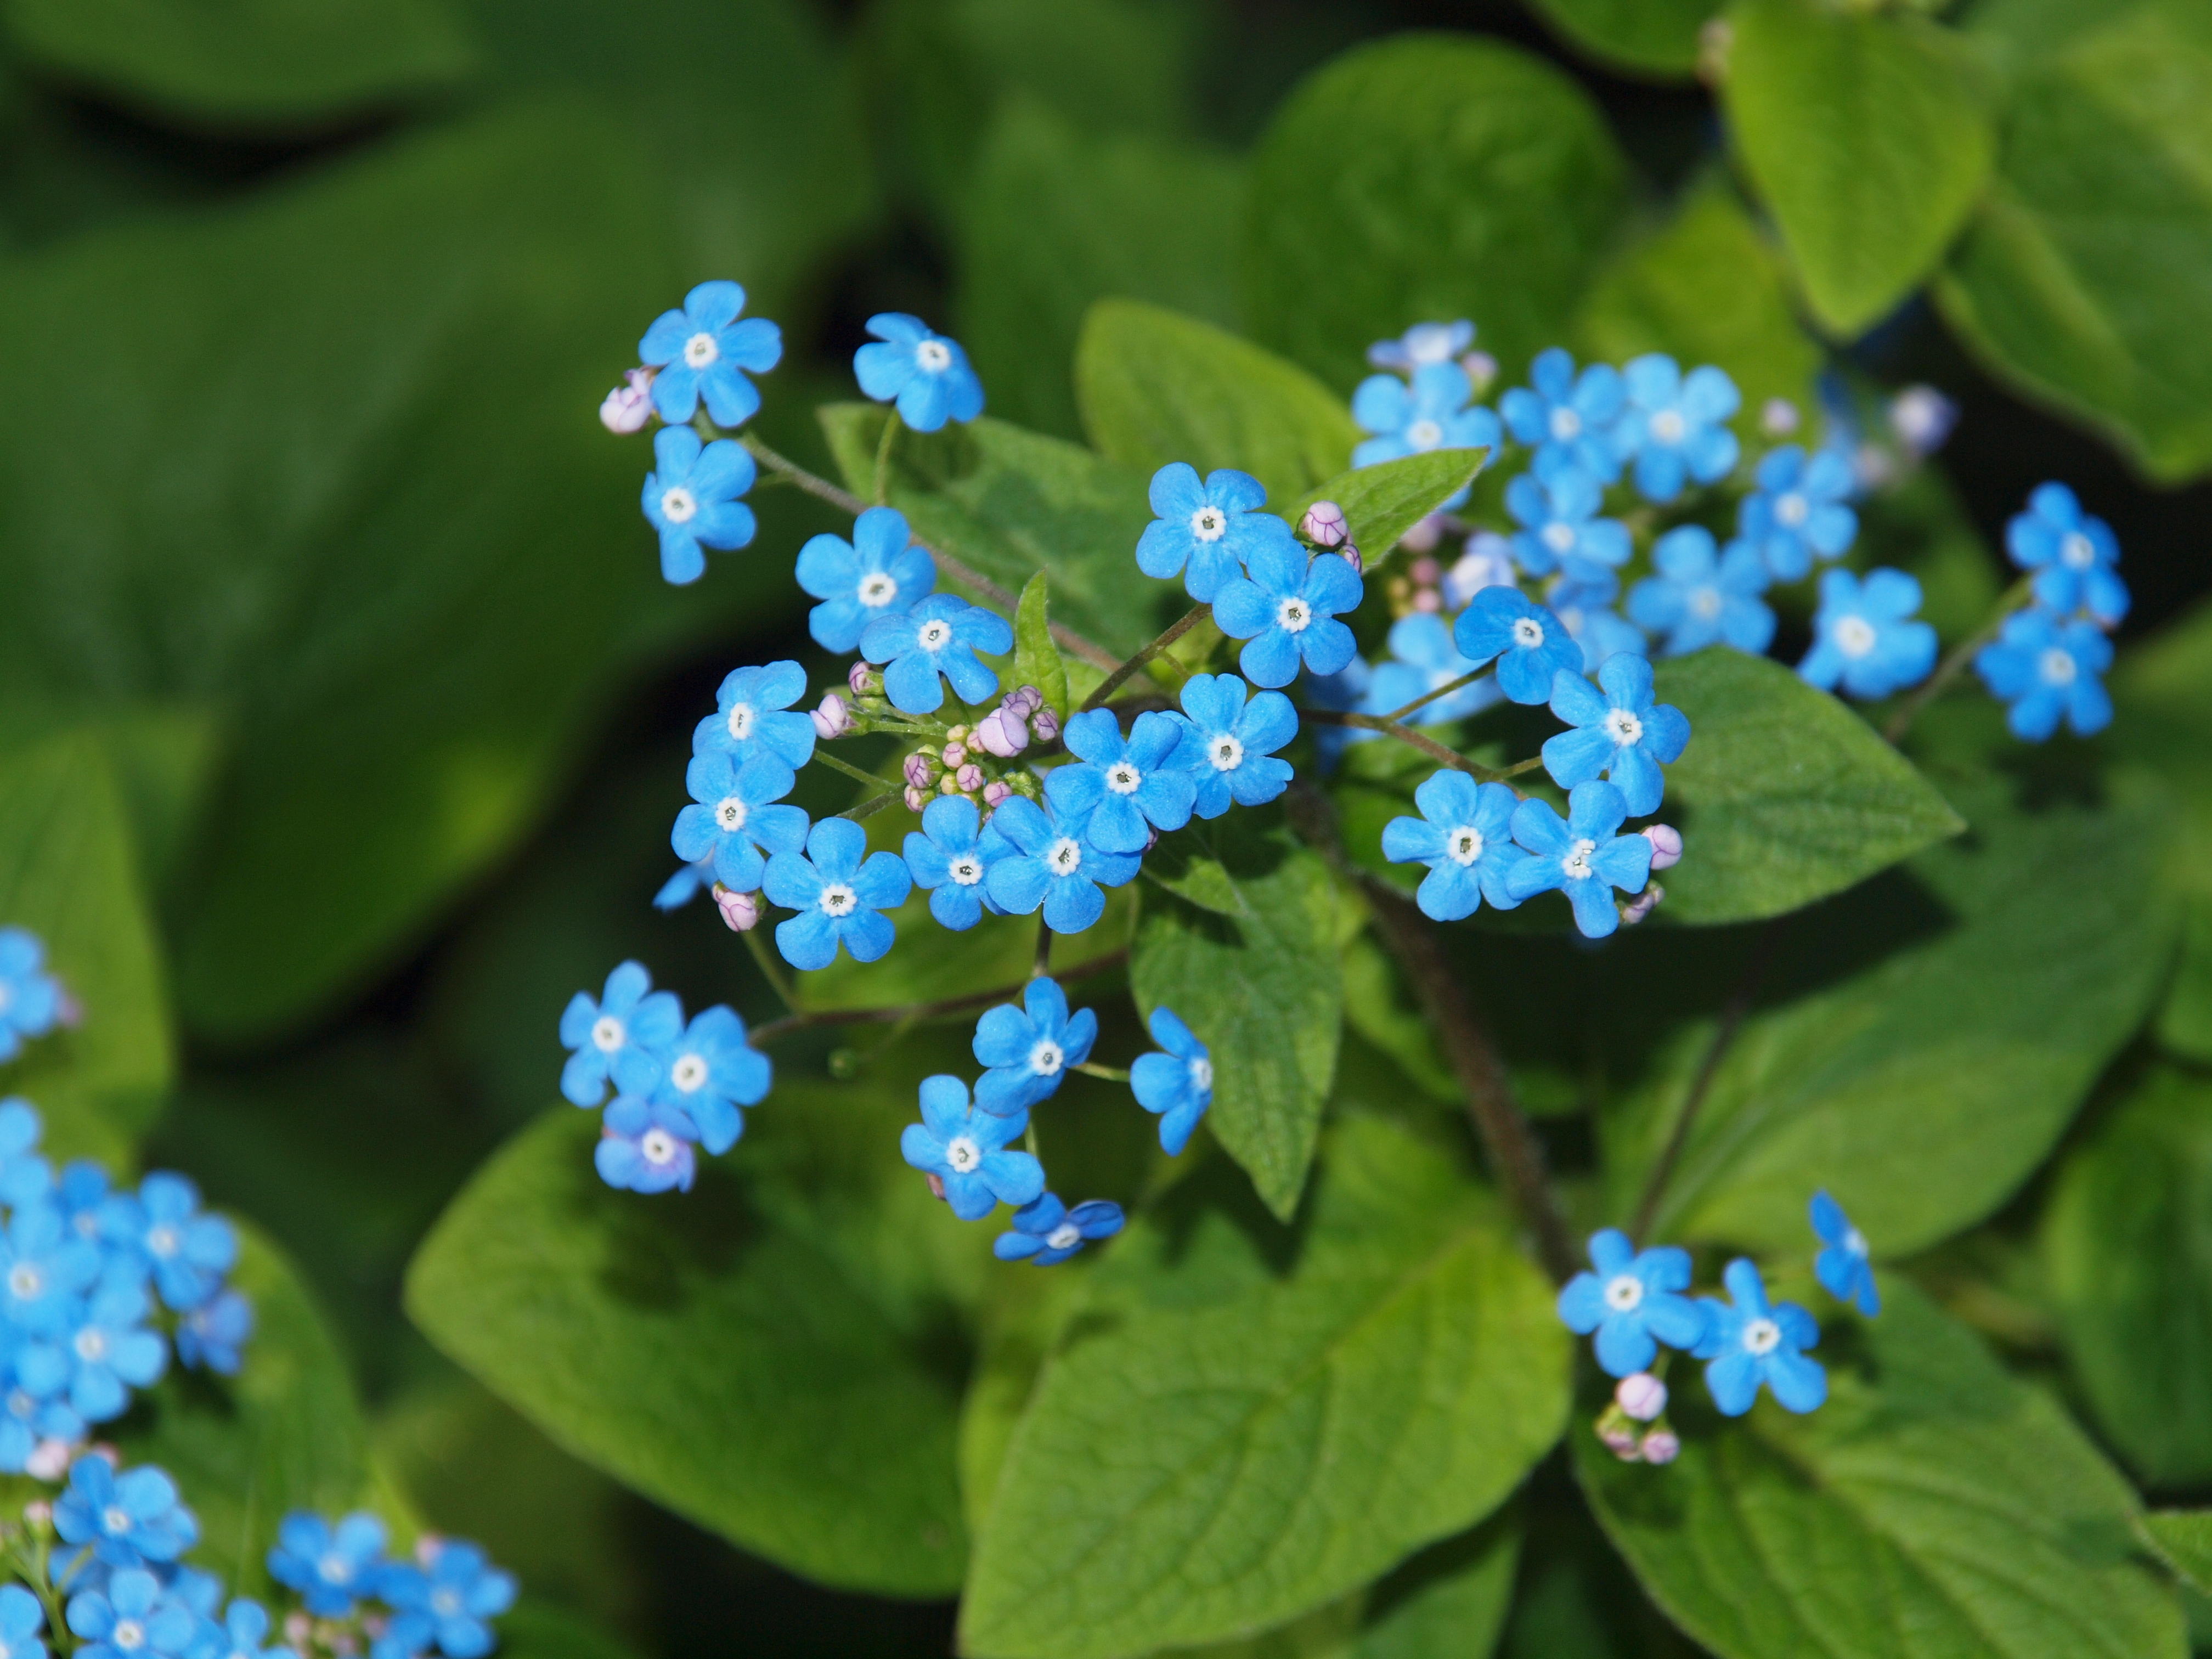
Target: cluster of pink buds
x=1419 y=588
x=629 y=405
x=957 y=767
x=1631 y=1427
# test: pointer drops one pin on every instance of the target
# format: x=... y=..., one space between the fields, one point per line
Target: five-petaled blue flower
x=1125 y=787
x=1422 y=344
x=1621 y=732
x=940 y=636
x=244 y=1632
x=927 y=374
x=111 y=1351
x=967 y=1150
x=1424 y=658
x=711 y=1071
x=1432 y=413
x=1673 y=425
x=1030 y=1048
x=746 y=718
x=1530 y=643
x=1284 y=609
x=948 y=861
x=131 y=1619
x=2072 y=554
x=1557 y=505
x=1046 y=1232
x=1843 y=1267
x=128 y=1519
x=2047 y=669
x=1228 y=744
x=1634 y=1301
x=1755 y=1342
x=618 y=1033
x=731 y=819
x=1703 y=595
x=215 y=1333
x=21 y=1618
x=691 y=498
x=879 y=573
x=1581 y=856
x=44 y=1267
x=1051 y=862
x=30 y=1001
x=25 y=1176
x=447 y=1603
x=36 y=1408
x=1799 y=511
x=704 y=351
x=1207 y=532
x=328 y=1565
x=1864 y=636
x=1568 y=420
x=1586 y=609
x=1465 y=835
x=1178 y=1085
x=644 y=1147
x=840 y=897
x=163 y=1233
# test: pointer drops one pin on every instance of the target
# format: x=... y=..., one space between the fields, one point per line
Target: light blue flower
x=2072 y=554
x=1530 y=643
x=691 y=498
x=702 y=351
x=1125 y=789
x=215 y=1333
x=446 y=1604
x=1285 y=609
x=1620 y=734
x=1228 y=744
x=111 y=1351
x=1208 y=532
x=162 y=1230
x=1568 y=420
x=1424 y=657
x=1432 y=413
x=1581 y=856
x=1030 y=1048
x=43 y=1268
x=620 y=1030
x=2046 y=669
x=1586 y=609
x=927 y=374
x=731 y=819
x=131 y=1619
x=1046 y=1232
x=879 y=573
x=1672 y=425
x=1465 y=835
x=644 y=1147
x=1349 y=690
x=1862 y=637
x=1755 y=1342
x=747 y=719
x=37 y=1403
x=1703 y=595
x=1177 y=1086
x=328 y=1565
x=126 y=1520
x=948 y=860
x=1633 y=1302
x=940 y=636
x=1557 y=506
x=245 y=1633
x=1799 y=511
x=30 y=1001
x=839 y=896
x=25 y=1177
x=22 y=1618
x=1843 y=1266
x=709 y=1072
x=1421 y=345
x=686 y=884
x=967 y=1151
x=1051 y=863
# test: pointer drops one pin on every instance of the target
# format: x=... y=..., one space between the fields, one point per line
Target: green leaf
x=2075 y=283
x=1258 y=984
x=1378 y=1007
x=1783 y=796
x=1936 y=1506
x=2183 y=1539
x=1648 y=37
x=1868 y=137
x=1383 y=501
x=1037 y=660
x=1246 y=1423
x=533 y=1629
x=1447 y=1602
x=263 y=62
x=2184 y=1023
x=1427 y=176
x=2162 y=690
x=1155 y=387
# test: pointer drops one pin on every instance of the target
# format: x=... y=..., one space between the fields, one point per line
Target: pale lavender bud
x=1046 y=725
x=1427 y=572
x=920 y=769
x=1428 y=599
x=916 y=798
x=1873 y=466
x=49 y=1460
x=1481 y=369
x=1424 y=536
x=740 y=911
x=1620 y=1439
x=1778 y=417
x=969 y=778
x=1025 y=702
x=1643 y=904
x=1351 y=556
x=628 y=407
x=1003 y=732
x=1661 y=1446
x=1325 y=526
x=427 y=1548
x=996 y=790
x=1922 y=418
x=864 y=680
x=955 y=754
x=935 y=1187
x=833 y=718
x=38 y=1512
x=1665 y=845
x=297 y=1629
x=1642 y=1396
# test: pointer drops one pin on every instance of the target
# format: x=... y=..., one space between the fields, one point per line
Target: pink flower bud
x=1427 y=572
x=832 y=719
x=49 y=1460
x=1643 y=904
x=1424 y=536
x=1481 y=368
x=1046 y=725
x=969 y=778
x=1350 y=555
x=1003 y=732
x=1428 y=599
x=297 y=1628
x=1325 y=526
x=628 y=407
x=1665 y=845
x=1619 y=1440
x=935 y=1187
x=915 y=798
x=1642 y=1396
x=740 y=911
x=1777 y=417
x=1025 y=702
x=995 y=790
x=38 y=1512
x=955 y=753
x=920 y=769
x=427 y=1548
x=864 y=680
x=1922 y=418
x=1661 y=1446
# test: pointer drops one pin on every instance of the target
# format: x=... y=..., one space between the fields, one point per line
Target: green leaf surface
x=1936 y=1508
x=2184 y=1539
x=1037 y=660
x=1383 y=501
x=1426 y=177
x=2162 y=690
x=1447 y=1602
x=2184 y=1022
x=1783 y=796
x=533 y=1629
x=1254 y=975
x=1869 y=139
x=1244 y=1423
x=1156 y=386
x=1642 y=37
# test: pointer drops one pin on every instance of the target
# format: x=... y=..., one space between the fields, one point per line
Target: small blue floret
x=1046 y=1232
x=1844 y=1266
x=1703 y=596
x=1633 y=1302
x=1621 y=733
x=940 y=636
x=1030 y=1048
x=879 y=573
x=1672 y=425
x=619 y=1030
x=1178 y=1085
x=691 y=499
x=840 y=896
x=966 y=1151
x=1052 y=864
x=747 y=718
x=1568 y=420
x=1125 y=789
x=1864 y=636
x=1800 y=511
x=1228 y=743
x=925 y=373
x=1206 y=532
x=1581 y=856
x=1754 y=1342
x=703 y=351
x=2072 y=553
x=1284 y=609
x=1465 y=835
x=1531 y=644
x=2048 y=670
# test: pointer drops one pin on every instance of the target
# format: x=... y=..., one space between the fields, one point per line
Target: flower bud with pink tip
x=1325 y=525
x=996 y=790
x=629 y=405
x=741 y=912
x=969 y=778
x=916 y=798
x=1003 y=732
x=1642 y=1396
x=1662 y=1447
x=1642 y=905
x=1665 y=845
x=1046 y=725
x=832 y=716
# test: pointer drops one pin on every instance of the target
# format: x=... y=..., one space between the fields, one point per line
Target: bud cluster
x=1634 y=1426
x=971 y=760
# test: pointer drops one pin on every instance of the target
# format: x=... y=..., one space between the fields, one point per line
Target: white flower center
x=1425 y=434
x=935 y=635
x=1065 y=1236
x=129 y=1635
x=334 y=1568
x=1226 y=753
x=961 y=1154
x=607 y=1034
x=1294 y=614
x=1567 y=425
x=115 y=1520
x=1064 y=856
x=966 y=871
x=1464 y=845
x=1761 y=1336
x=1559 y=537
x=689 y=1073
x=2077 y=551
x=1209 y=523
x=700 y=350
x=730 y=813
x=878 y=589
x=1668 y=427
x=679 y=505
x=1854 y=636
x=1576 y=863
x=25 y=1282
x=1855 y=1242
x=1045 y=1059
x=164 y=1240
x=1201 y=1075
x=657 y=1146
x=1527 y=633
x=1624 y=728
x=1792 y=510
x=446 y=1603
x=1123 y=779
x=2057 y=667
x=932 y=357
x=1705 y=603
x=91 y=1346
x=839 y=901
x=87 y=1223
x=1624 y=1292
x=741 y=721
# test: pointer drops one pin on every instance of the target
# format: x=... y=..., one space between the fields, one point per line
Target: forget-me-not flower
x=644 y=1147
x=30 y=1001
x=1125 y=789
x=127 y=1519
x=1556 y=507
x=44 y=1267
x=1432 y=413
x=1634 y=1301
x=1843 y=1266
x=1465 y=835
x=1621 y=733
x=245 y=1633
x=1568 y=420
x=22 y=1618
x=1424 y=657
x=967 y=1150
x=1581 y=856
x=1864 y=637
x=748 y=717
x=1755 y=1341
x=948 y=861
x=111 y=1351
x=1284 y=609
x=1207 y=532
x=1703 y=595
x=619 y=1031
x=2072 y=553
x=1051 y=862
x=1046 y=1232
x=1673 y=425
x=37 y=1406
x=839 y=896
x=2046 y=669
x=131 y=1619
x=162 y=1230
x=1421 y=345
x=879 y=573
x=215 y=1333
x=680 y=889
x=940 y=636
x=711 y=1071
x=731 y=818
x=1530 y=643
x=1178 y=1085
x=927 y=373
x=447 y=1603
x=1030 y=1048
x=328 y=1565
x=25 y=1176
x=1586 y=609
x=691 y=498
x=703 y=350
x=1800 y=510
x=1228 y=743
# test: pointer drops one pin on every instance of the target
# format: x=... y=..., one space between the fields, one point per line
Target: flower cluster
x=2048 y=661
x=443 y=1601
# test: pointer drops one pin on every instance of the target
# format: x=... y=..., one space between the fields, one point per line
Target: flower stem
x=1929 y=688
x=1444 y=690
x=1175 y=631
x=891 y=429
x=1435 y=752
x=771 y=969
x=1111 y=1074
x=844 y=766
x=799 y=1021
x=1042 y=965
x=873 y=805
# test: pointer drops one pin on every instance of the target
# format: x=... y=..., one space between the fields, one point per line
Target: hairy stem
x=873 y=805
x=1175 y=631
x=845 y=767
x=884 y=458
x=1443 y=690
x=911 y=1011
x=1111 y=1074
x=1428 y=746
x=771 y=969
x=1962 y=654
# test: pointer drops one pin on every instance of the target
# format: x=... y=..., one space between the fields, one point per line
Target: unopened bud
x=298 y=1627
x=1046 y=725
x=1620 y=1439
x=1025 y=702
x=935 y=1187
x=38 y=1512
x=1351 y=556
x=865 y=680
x=950 y=783
x=49 y=1460
x=1424 y=536
x=1325 y=526
x=969 y=778
x=832 y=717
x=1665 y=845
x=1642 y=1396
x=1003 y=732
x=427 y=1548
x=1873 y=466
x=740 y=911
x=955 y=753
x=629 y=405
x=1716 y=41
x=1481 y=369
x=1427 y=572
x=920 y=769
x=1643 y=904
x=1661 y=1446
x=1777 y=417
x=996 y=790
x=915 y=798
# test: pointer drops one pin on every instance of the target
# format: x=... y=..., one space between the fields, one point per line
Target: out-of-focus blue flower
x=1581 y=856
x=644 y=1147
x=1622 y=733
x=948 y=861
x=1486 y=561
x=731 y=819
x=446 y=1603
x=691 y=498
x=329 y=1565
x=1177 y=1086
x=22 y=1618
x=879 y=573
x=967 y=1150
x=711 y=1071
x=1703 y=595
x=37 y=1404
x=927 y=375
x=186 y=1252
x=1754 y=1342
x=1228 y=744
x=680 y=889
x=2046 y=669
x=1568 y=421
x=1052 y=863
x=840 y=897
x=1798 y=511
x=1125 y=789
x=1843 y=1266
x=1348 y=690
x=2072 y=553
x=126 y=1520
x=1585 y=609
x=1531 y=644
x=618 y=1033
x=1863 y=637
x=1673 y=425
x=940 y=636
x=1046 y=1232
x=245 y=1633
x=1633 y=1302
x=1208 y=532
x=25 y=1177
x=1432 y=413
x=1421 y=345
x=747 y=720
x=131 y=1619
x=1465 y=835
x=703 y=351
x=30 y=1001
x=1424 y=657
x=1557 y=506
x=44 y=1267
x=111 y=1351
x=1284 y=609
x=1030 y=1048
x=214 y=1334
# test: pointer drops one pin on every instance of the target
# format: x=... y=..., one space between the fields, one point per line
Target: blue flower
x=1051 y=862
x=1124 y=788
x=22 y=1618
x=746 y=721
x=680 y=889
x=43 y=1267
x=1228 y=744
x=1465 y=835
x=1581 y=856
x=2071 y=553
x=967 y=1151
x=131 y=1619
x=1842 y=1267
x=1568 y=421
x=244 y=1632
x=619 y=1031
x=1285 y=609
x=940 y=636
x=691 y=498
x=948 y=861
x=25 y=1177
x=36 y=1374
x=213 y=1334
x=2046 y=668
x=1178 y=1085
x=1862 y=637
x=701 y=351
x=1530 y=643
x=1029 y=1050
x=1349 y=690
x=1421 y=345
x=879 y=573
x=1425 y=658
x=711 y=1071
x=162 y=1230
x=448 y=1603
x=1047 y=1232
x=1753 y=1342
x=731 y=820
x=1433 y=413
x=1673 y=425
x=1214 y=527
x=1586 y=609
x=1633 y=1302
x=839 y=897
x=30 y=1001
x=927 y=374
x=111 y=1351
x=1798 y=511
x=1622 y=733
x=126 y=1520
x=329 y=1566
x=1558 y=505
x=644 y=1147
x=200 y=1591
x=1703 y=596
